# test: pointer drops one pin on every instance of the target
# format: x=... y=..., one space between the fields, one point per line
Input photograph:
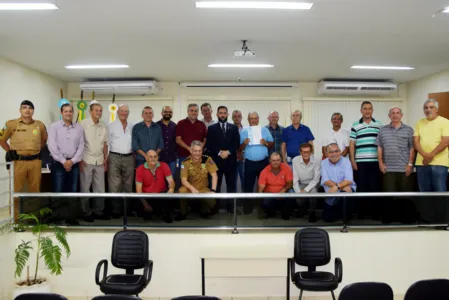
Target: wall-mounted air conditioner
x=239 y=84
x=147 y=87
x=356 y=87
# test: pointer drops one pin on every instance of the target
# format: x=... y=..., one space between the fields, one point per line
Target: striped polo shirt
x=396 y=144
x=365 y=136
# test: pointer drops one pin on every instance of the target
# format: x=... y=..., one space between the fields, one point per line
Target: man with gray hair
x=396 y=157
x=293 y=136
x=431 y=139
x=275 y=130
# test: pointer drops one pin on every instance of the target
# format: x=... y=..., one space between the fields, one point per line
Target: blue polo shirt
x=293 y=138
x=256 y=152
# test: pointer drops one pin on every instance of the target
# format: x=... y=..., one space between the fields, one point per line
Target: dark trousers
x=397 y=209
x=228 y=169
x=63 y=182
x=160 y=206
x=368 y=181
x=252 y=171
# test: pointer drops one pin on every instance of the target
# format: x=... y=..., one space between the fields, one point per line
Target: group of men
x=281 y=161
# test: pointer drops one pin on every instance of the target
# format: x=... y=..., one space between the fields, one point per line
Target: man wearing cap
x=27 y=137
x=94 y=163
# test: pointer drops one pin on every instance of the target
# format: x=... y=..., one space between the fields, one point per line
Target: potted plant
x=49 y=243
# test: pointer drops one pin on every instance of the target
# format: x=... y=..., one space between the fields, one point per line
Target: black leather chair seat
x=122 y=284
x=316 y=281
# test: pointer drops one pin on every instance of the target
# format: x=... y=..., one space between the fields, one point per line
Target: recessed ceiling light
x=381 y=68
x=240 y=66
x=96 y=66
x=254 y=4
x=28 y=6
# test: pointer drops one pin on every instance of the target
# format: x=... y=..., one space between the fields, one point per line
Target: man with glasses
x=121 y=159
x=168 y=127
x=336 y=177
x=66 y=146
x=152 y=177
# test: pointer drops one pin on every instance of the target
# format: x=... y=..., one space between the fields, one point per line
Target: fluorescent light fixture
x=446 y=10
x=381 y=68
x=28 y=6
x=254 y=4
x=97 y=67
x=240 y=66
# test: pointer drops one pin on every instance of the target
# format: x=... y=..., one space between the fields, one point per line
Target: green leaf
x=39 y=228
x=61 y=237
x=7 y=227
x=45 y=211
x=24 y=217
x=52 y=256
x=21 y=257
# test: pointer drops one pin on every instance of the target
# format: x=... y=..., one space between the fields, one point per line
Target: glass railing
x=242 y=211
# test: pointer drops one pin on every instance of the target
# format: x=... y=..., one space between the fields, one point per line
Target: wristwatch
x=410 y=164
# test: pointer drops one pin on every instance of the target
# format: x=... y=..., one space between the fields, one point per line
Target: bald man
x=121 y=159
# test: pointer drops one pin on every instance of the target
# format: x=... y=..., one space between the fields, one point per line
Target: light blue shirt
x=338 y=172
x=256 y=152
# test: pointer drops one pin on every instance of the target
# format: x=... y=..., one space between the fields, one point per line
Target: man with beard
x=222 y=143
x=168 y=153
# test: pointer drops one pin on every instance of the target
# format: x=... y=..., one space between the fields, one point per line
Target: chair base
x=300 y=295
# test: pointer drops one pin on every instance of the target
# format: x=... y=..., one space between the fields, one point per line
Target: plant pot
x=43 y=287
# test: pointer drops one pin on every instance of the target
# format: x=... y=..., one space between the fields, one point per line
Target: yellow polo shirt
x=430 y=133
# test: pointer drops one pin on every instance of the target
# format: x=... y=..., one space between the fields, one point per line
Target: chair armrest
x=291 y=261
x=338 y=269
x=97 y=271
x=148 y=271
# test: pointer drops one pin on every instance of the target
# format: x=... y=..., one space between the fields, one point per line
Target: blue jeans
x=432 y=178
x=172 y=166
x=240 y=172
x=63 y=182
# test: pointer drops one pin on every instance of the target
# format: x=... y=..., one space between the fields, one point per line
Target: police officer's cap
x=27 y=102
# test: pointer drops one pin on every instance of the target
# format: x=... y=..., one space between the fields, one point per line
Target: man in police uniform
x=27 y=137
x=194 y=179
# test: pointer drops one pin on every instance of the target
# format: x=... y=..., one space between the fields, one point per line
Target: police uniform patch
x=203 y=166
x=35 y=131
x=211 y=161
x=182 y=166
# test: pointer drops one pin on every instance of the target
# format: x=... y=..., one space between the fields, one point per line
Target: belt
x=256 y=161
x=120 y=154
x=30 y=157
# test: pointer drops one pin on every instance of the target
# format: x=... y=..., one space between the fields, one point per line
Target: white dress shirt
x=341 y=137
x=120 y=140
x=306 y=173
x=212 y=122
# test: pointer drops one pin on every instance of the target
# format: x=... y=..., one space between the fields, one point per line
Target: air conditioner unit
x=356 y=87
x=239 y=84
x=148 y=87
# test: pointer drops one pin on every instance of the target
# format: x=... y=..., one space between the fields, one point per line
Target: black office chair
x=40 y=296
x=196 y=298
x=129 y=252
x=367 y=291
x=312 y=249
x=432 y=289
x=115 y=297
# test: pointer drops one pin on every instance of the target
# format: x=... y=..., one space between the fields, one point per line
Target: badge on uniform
x=203 y=166
x=2 y=132
x=35 y=131
x=182 y=166
x=211 y=161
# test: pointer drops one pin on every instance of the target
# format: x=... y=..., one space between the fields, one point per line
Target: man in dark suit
x=222 y=143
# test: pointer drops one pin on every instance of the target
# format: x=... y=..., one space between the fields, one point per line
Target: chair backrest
x=40 y=296
x=312 y=247
x=196 y=298
x=115 y=297
x=367 y=291
x=130 y=249
x=432 y=289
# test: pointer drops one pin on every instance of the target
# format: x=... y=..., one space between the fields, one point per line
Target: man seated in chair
x=336 y=177
x=152 y=177
x=195 y=171
x=277 y=177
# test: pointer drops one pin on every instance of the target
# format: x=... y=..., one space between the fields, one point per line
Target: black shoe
x=312 y=217
x=89 y=219
x=71 y=222
x=180 y=217
x=167 y=218
x=101 y=217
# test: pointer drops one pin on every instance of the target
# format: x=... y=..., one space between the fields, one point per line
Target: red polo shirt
x=275 y=183
x=190 y=132
x=153 y=183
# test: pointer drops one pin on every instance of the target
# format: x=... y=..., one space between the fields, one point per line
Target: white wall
x=393 y=256
x=7 y=265
x=418 y=91
x=18 y=83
